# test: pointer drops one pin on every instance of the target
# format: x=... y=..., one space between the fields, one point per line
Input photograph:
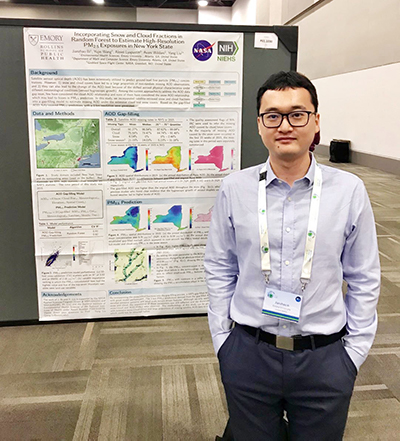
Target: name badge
x=283 y=305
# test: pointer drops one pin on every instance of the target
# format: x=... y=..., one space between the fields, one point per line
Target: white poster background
x=130 y=135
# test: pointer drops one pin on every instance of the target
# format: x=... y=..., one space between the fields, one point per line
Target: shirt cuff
x=355 y=357
x=219 y=340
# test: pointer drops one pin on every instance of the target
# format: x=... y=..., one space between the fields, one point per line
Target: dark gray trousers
x=314 y=387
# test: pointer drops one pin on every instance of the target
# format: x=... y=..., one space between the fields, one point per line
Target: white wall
x=214 y=15
x=345 y=36
x=57 y=12
x=244 y=12
x=257 y=12
x=363 y=107
x=157 y=15
x=275 y=12
x=99 y=13
x=291 y=8
x=263 y=9
x=351 y=51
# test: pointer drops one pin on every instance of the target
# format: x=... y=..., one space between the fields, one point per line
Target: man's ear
x=316 y=141
x=259 y=125
x=317 y=121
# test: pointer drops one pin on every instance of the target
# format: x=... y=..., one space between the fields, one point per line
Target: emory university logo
x=202 y=50
x=33 y=39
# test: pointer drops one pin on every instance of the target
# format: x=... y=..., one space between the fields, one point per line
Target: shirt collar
x=309 y=175
x=311 y=171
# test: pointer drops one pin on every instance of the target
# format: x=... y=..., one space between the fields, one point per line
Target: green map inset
x=132 y=216
x=130 y=266
x=67 y=143
x=173 y=216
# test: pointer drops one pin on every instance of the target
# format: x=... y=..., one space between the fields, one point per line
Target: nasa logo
x=202 y=50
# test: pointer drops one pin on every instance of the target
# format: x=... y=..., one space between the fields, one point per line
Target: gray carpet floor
x=158 y=379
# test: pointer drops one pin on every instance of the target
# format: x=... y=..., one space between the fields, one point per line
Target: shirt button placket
x=287 y=245
x=287 y=253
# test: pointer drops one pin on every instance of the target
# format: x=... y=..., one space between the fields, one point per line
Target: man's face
x=286 y=142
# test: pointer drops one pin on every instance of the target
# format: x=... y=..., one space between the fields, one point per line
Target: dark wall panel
x=258 y=65
x=18 y=277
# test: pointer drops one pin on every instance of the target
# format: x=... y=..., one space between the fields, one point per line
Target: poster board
x=21 y=305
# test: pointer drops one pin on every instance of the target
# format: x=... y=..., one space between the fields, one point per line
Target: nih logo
x=227 y=50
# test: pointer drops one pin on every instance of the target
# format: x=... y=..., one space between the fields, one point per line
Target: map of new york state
x=204 y=217
x=216 y=157
x=172 y=157
x=173 y=216
x=67 y=143
x=132 y=217
x=130 y=157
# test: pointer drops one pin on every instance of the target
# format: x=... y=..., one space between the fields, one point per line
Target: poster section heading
x=130 y=134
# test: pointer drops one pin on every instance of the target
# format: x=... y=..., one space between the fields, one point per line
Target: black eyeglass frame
x=287 y=117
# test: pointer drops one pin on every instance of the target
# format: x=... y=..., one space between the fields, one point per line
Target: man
x=283 y=237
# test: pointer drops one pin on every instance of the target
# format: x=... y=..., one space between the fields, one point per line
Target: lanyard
x=311 y=230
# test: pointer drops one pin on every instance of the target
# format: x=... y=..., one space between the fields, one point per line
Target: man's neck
x=290 y=170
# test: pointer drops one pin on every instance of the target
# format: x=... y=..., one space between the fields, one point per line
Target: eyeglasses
x=273 y=120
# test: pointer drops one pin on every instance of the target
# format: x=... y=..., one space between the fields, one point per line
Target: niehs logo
x=227 y=50
x=202 y=50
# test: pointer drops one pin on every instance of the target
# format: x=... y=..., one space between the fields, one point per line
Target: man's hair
x=288 y=80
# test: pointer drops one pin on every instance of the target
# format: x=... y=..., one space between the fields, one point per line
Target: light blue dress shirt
x=346 y=248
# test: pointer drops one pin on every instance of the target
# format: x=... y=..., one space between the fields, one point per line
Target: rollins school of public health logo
x=226 y=50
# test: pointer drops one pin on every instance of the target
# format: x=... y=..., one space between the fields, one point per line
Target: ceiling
x=175 y=4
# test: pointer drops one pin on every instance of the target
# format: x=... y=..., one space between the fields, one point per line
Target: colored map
x=130 y=157
x=204 y=217
x=172 y=157
x=132 y=216
x=130 y=266
x=216 y=157
x=67 y=143
x=173 y=216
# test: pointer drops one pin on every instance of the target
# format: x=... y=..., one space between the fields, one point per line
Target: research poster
x=130 y=132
